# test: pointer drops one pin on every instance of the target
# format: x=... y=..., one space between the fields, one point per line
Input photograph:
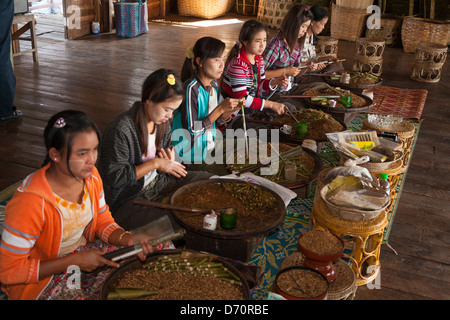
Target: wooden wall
x=154 y=7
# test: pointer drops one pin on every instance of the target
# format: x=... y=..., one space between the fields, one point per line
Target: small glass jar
x=228 y=218
x=290 y=171
x=301 y=129
x=346 y=100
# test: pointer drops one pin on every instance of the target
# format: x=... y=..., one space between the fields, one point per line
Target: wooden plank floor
x=102 y=75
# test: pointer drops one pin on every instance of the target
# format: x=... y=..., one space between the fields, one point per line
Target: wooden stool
x=369 y=48
x=430 y=58
x=327 y=46
x=368 y=56
x=365 y=239
x=30 y=24
x=373 y=66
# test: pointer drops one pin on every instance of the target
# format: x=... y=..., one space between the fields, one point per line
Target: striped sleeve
x=237 y=82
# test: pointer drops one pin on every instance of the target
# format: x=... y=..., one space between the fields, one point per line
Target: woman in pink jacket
x=56 y=215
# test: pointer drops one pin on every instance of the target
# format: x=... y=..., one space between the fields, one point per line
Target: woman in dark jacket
x=137 y=159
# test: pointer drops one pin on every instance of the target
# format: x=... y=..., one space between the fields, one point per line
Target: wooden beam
x=162 y=8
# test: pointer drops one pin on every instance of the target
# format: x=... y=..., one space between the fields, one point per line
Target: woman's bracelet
x=124 y=233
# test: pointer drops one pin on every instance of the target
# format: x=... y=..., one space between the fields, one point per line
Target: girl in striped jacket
x=244 y=74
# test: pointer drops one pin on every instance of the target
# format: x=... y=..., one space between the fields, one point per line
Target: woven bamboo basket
x=405 y=131
x=357 y=4
x=323 y=3
x=369 y=65
x=350 y=214
x=327 y=46
x=343 y=288
x=390 y=30
x=365 y=238
x=417 y=30
x=247 y=7
x=347 y=23
x=207 y=9
x=430 y=58
x=272 y=12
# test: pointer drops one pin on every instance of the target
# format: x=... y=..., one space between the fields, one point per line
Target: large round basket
x=135 y=264
x=350 y=214
x=238 y=243
x=207 y=9
x=417 y=30
x=348 y=23
x=279 y=208
x=292 y=138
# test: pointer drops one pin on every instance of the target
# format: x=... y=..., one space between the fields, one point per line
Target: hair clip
x=171 y=79
x=60 y=123
x=306 y=9
x=237 y=43
x=190 y=52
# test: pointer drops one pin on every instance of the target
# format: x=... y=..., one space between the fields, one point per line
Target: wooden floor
x=102 y=75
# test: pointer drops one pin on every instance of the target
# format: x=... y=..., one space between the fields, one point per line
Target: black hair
x=204 y=48
x=319 y=12
x=248 y=31
x=61 y=129
x=290 y=26
x=159 y=86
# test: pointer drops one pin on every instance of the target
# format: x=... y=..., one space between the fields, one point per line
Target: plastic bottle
x=384 y=183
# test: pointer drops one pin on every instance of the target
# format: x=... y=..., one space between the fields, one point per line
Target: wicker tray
x=135 y=264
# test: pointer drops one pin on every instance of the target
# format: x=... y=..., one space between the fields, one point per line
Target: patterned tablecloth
x=280 y=244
